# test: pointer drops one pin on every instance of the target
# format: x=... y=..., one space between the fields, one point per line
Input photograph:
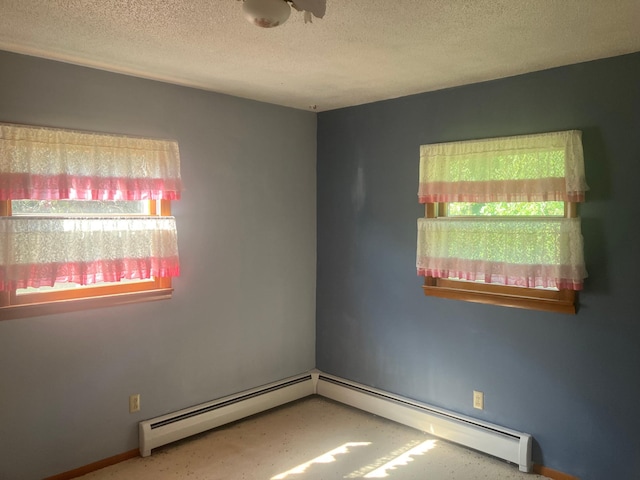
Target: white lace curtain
x=527 y=252
x=44 y=163
x=526 y=168
x=37 y=252
x=50 y=164
x=507 y=251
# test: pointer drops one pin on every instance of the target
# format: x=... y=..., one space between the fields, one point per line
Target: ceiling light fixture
x=271 y=13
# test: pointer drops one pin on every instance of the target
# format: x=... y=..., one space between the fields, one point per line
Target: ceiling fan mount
x=271 y=13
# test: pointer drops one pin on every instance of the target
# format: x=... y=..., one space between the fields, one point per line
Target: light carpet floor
x=313 y=439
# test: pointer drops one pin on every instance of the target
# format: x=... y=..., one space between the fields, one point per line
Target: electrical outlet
x=478 y=400
x=134 y=403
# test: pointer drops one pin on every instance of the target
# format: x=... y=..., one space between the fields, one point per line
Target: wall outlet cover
x=478 y=400
x=134 y=403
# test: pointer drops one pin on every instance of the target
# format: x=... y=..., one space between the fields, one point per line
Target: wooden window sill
x=561 y=301
x=49 y=307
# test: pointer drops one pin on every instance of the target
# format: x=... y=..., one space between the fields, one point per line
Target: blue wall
x=243 y=310
x=573 y=382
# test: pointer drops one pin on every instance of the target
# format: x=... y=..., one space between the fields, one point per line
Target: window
x=85 y=220
x=500 y=221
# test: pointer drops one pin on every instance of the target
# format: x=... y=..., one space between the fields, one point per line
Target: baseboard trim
x=107 y=462
x=492 y=439
x=159 y=431
x=314 y=375
x=551 y=473
x=92 y=467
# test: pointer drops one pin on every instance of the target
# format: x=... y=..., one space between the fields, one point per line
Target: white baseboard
x=488 y=438
x=492 y=439
x=175 y=426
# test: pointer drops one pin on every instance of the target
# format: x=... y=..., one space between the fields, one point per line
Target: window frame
x=561 y=301
x=14 y=306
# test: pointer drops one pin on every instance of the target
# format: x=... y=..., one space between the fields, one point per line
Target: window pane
x=79 y=207
x=555 y=209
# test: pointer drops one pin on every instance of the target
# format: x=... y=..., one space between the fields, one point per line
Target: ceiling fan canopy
x=271 y=13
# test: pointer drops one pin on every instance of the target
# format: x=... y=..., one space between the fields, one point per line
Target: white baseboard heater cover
x=485 y=437
x=190 y=421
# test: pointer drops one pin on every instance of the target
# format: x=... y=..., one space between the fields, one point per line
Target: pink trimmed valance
x=45 y=164
x=526 y=168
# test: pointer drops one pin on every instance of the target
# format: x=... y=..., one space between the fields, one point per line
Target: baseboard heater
x=190 y=421
x=500 y=442
x=494 y=440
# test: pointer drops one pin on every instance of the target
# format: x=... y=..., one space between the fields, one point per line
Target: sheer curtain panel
x=508 y=251
x=95 y=250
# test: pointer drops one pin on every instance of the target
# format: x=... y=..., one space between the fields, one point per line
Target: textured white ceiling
x=362 y=51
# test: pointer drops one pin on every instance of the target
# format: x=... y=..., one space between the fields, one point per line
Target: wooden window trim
x=99 y=296
x=561 y=301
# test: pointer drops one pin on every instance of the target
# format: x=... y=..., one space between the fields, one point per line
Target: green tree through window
x=555 y=209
